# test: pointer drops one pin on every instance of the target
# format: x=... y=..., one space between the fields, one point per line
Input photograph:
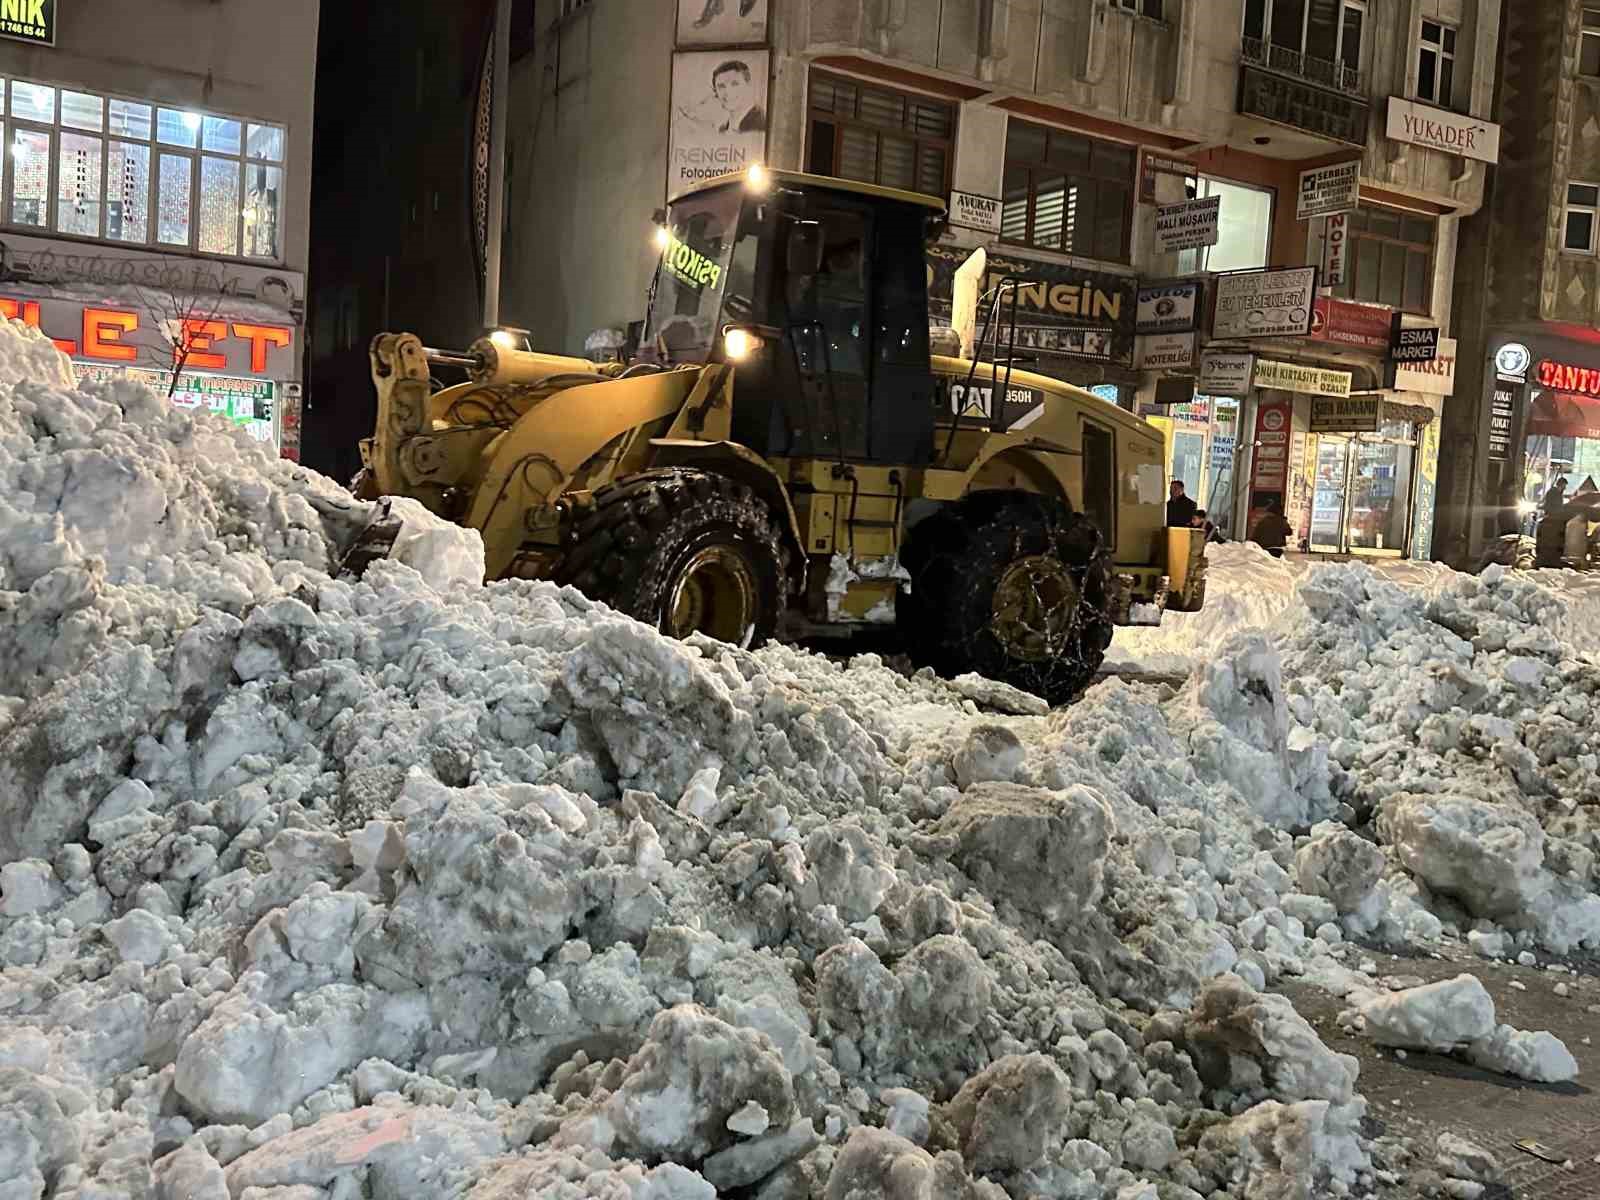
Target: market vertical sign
x=29 y=21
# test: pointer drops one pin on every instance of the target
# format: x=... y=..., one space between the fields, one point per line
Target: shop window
x=1436 y=63
x=1145 y=8
x=33 y=101
x=1391 y=259
x=82 y=111
x=1583 y=204
x=1320 y=40
x=1067 y=192
x=128 y=193
x=78 y=185
x=1589 y=44
x=1244 y=228
x=878 y=135
x=96 y=166
x=173 y=204
x=28 y=166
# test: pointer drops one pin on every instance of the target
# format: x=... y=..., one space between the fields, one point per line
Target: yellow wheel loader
x=785 y=456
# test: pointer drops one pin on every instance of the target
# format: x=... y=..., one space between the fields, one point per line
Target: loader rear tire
x=1014 y=586
x=684 y=551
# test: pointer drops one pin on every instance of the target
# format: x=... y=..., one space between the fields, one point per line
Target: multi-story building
x=1065 y=132
x=155 y=194
x=1527 y=408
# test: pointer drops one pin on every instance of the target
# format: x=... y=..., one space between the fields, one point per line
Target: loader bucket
x=374 y=542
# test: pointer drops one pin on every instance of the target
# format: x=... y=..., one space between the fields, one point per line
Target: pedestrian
x=1180 y=508
x=1272 y=531
x=1203 y=521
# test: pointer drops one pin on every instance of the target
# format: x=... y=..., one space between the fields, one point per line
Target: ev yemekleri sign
x=29 y=21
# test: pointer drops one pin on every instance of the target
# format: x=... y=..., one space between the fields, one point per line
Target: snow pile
x=1458 y=1014
x=1246 y=588
x=1463 y=733
x=312 y=888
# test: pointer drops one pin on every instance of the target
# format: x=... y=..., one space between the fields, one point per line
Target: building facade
x=154 y=202
x=1247 y=202
x=1528 y=289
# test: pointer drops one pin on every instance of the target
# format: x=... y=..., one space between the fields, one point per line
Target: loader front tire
x=1014 y=586
x=684 y=551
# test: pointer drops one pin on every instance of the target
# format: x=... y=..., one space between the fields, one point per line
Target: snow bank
x=1458 y=1015
x=312 y=888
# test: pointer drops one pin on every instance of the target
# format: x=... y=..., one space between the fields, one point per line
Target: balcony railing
x=1261 y=53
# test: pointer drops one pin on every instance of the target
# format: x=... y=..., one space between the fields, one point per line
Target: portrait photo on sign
x=719 y=114
x=722 y=22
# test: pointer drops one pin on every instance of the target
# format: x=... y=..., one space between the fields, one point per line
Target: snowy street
x=409 y=887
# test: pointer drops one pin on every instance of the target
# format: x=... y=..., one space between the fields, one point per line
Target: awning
x=1564 y=415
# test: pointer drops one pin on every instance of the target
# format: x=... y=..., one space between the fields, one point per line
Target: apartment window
x=1436 y=63
x=127 y=171
x=1067 y=192
x=1244 y=228
x=1320 y=40
x=1391 y=259
x=1583 y=204
x=1145 y=8
x=1589 y=44
x=878 y=135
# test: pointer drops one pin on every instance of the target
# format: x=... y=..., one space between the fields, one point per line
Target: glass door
x=1362 y=496
x=1328 y=494
x=1380 y=496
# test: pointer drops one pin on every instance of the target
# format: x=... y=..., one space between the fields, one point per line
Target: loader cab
x=815 y=290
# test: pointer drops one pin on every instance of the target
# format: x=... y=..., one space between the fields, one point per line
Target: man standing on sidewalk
x=1180 y=508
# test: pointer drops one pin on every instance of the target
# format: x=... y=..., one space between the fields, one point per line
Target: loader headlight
x=739 y=344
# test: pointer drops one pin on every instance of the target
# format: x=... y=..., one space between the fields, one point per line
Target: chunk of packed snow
x=1434 y=1016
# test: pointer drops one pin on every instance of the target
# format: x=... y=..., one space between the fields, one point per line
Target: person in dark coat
x=1180 y=508
x=1272 y=531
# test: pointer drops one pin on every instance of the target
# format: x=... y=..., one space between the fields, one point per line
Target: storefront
x=150 y=238
x=1202 y=438
x=229 y=333
x=1561 y=437
x=1365 y=457
x=1342 y=438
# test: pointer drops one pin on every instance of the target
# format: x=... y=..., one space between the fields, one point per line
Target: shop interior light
x=662 y=237
x=1527 y=507
x=756 y=178
x=739 y=344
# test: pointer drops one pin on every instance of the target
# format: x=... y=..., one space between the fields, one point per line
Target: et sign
x=29 y=21
x=108 y=334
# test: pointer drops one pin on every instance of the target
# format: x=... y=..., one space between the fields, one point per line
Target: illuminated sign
x=689 y=265
x=1511 y=361
x=29 y=21
x=1563 y=377
x=106 y=333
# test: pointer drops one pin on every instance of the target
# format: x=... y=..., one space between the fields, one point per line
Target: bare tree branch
x=181 y=313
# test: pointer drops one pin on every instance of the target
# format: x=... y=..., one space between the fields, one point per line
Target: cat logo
x=974 y=401
x=977 y=399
